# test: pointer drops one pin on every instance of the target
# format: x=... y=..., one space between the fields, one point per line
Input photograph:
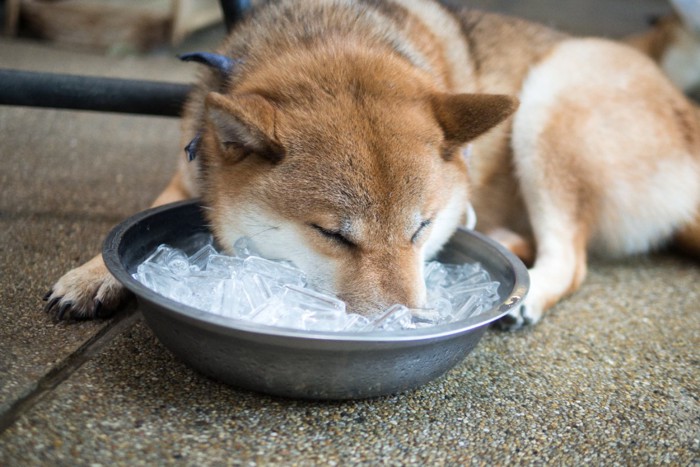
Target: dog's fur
x=675 y=45
x=337 y=143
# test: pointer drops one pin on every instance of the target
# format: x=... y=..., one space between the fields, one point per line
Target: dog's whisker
x=263 y=231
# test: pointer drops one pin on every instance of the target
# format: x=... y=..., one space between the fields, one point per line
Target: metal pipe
x=60 y=91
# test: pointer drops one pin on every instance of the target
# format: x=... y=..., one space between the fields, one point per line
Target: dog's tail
x=658 y=39
x=673 y=42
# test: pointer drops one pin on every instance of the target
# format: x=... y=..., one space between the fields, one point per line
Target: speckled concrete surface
x=67 y=178
x=54 y=216
x=612 y=375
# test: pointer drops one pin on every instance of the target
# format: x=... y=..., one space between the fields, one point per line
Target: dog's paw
x=524 y=315
x=86 y=292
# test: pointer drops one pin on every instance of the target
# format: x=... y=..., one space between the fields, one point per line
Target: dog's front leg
x=89 y=291
x=560 y=263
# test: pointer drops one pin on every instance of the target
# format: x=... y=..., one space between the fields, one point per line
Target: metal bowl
x=302 y=364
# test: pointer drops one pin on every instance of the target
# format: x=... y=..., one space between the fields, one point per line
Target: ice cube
x=425 y=316
x=198 y=261
x=160 y=255
x=272 y=292
x=437 y=312
x=244 y=248
x=275 y=313
x=435 y=293
x=462 y=291
x=198 y=241
x=458 y=273
x=356 y=323
x=256 y=291
x=326 y=320
x=150 y=274
x=178 y=264
x=435 y=274
x=466 y=308
x=233 y=303
x=229 y=265
x=205 y=292
x=395 y=318
x=316 y=311
x=311 y=300
x=476 y=277
x=172 y=258
x=275 y=270
x=304 y=309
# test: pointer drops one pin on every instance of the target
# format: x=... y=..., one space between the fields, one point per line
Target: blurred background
x=156 y=26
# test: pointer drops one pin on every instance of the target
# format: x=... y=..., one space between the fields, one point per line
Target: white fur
x=645 y=194
x=555 y=266
x=277 y=239
x=446 y=222
x=471 y=217
x=636 y=219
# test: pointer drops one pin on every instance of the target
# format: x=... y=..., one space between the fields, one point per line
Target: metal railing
x=63 y=91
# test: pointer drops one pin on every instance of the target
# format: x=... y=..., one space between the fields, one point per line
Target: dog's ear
x=463 y=117
x=245 y=124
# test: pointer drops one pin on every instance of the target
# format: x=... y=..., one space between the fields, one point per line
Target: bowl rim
x=204 y=319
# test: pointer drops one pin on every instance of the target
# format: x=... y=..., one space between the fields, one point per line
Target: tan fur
x=687 y=239
x=349 y=116
x=674 y=43
x=518 y=245
x=658 y=39
x=337 y=144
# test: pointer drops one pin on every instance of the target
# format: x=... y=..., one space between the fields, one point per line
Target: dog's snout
x=368 y=292
x=415 y=296
x=372 y=306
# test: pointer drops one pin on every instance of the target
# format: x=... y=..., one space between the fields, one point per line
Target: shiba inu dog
x=333 y=133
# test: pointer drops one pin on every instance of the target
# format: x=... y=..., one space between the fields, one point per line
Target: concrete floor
x=611 y=376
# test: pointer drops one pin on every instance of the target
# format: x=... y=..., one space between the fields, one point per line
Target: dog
x=333 y=133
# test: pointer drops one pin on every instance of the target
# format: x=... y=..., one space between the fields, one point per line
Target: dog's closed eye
x=421 y=229
x=334 y=235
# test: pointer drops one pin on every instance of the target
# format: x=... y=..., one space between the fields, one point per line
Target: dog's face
x=357 y=188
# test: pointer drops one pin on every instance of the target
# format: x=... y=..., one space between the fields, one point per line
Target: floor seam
x=67 y=367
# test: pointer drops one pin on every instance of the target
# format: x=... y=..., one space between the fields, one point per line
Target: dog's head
x=353 y=173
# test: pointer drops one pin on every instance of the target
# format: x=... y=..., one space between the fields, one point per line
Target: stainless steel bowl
x=301 y=364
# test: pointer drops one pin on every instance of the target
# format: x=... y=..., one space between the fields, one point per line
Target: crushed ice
x=275 y=293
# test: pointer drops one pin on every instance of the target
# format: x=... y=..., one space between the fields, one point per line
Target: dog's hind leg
x=516 y=244
x=606 y=154
x=89 y=291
